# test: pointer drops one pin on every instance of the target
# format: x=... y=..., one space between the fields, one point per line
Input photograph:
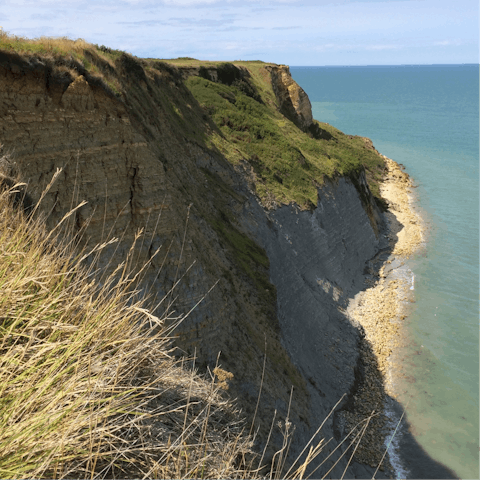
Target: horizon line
x=392 y=65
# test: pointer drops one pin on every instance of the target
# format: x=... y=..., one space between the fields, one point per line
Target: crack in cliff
x=133 y=177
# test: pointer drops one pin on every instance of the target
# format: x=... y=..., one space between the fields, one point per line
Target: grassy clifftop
x=288 y=163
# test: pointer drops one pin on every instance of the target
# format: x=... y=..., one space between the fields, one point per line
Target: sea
x=426 y=117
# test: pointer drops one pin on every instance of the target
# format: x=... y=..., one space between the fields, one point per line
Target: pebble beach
x=380 y=310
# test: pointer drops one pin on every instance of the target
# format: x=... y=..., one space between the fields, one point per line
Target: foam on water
x=392 y=441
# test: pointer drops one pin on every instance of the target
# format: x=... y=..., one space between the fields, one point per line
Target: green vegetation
x=248 y=255
x=109 y=52
x=288 y=163
x=194 y=62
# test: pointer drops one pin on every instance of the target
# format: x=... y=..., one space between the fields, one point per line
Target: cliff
x=226 y=172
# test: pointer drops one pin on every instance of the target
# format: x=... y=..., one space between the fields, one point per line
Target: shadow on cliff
x=367 y=395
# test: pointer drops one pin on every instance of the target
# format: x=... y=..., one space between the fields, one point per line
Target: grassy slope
x=289 y=164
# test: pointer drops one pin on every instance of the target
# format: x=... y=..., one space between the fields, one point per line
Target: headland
x=286 y=216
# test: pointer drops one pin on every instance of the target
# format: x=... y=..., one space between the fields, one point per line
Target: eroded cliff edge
x=145 y=159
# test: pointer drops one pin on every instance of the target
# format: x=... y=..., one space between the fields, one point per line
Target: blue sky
x=292 y=32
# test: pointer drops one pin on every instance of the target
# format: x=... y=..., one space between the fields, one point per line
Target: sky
x=291 y=32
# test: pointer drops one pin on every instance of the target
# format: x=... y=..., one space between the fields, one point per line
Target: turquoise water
x=427 y=118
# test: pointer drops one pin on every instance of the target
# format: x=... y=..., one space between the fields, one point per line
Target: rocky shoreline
x=380 y=310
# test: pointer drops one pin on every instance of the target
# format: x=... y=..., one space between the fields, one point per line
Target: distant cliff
x=224 y=168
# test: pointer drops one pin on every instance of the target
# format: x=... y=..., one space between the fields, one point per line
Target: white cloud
x=188 y=3
x=234 y=46
x=445 y=43
x=356 y=46
x=185 y=3
x=383 y=47
x=326 y=46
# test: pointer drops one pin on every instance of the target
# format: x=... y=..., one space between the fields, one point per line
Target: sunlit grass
x=57 y=45
x=289 y=164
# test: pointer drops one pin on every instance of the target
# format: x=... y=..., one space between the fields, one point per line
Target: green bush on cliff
x=288 y=163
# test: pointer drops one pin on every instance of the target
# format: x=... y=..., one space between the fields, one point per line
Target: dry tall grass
x=42 y=44
x=88 y=383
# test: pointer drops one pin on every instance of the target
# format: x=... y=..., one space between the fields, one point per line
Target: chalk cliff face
x=284 y=275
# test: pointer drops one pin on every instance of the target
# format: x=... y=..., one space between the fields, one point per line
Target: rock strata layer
x=293 y=101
